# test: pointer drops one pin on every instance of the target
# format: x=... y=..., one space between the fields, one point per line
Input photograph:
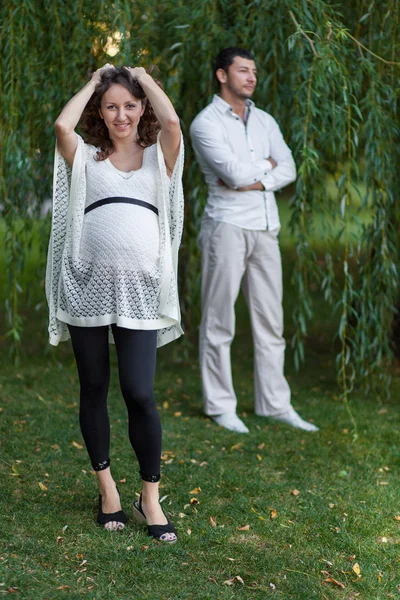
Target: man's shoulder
x=263 y=115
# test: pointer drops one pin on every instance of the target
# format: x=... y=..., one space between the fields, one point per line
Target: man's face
x=241 y=77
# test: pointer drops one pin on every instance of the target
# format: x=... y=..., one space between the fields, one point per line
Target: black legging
x=136 y=351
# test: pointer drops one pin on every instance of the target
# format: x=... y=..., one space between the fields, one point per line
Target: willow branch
x=360 y=45
x=304 y=34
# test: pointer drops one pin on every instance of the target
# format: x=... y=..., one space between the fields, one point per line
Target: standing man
x=244 y=159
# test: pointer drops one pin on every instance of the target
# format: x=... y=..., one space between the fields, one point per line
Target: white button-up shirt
x=237 y=152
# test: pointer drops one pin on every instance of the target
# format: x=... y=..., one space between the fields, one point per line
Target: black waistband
x=121 y=200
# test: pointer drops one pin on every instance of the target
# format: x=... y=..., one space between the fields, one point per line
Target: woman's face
x=121 y=112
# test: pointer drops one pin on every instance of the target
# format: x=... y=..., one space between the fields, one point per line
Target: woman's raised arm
x=70 y=115
x=165 y=113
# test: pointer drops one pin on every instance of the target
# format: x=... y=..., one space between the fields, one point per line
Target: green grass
x=349 y=491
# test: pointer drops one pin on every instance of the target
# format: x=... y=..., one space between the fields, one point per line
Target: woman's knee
x=138 y=397
x=94 y=386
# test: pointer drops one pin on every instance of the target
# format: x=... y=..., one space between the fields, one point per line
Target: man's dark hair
x=226 y=56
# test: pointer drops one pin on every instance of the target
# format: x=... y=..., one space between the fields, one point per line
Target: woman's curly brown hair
x=92 y=125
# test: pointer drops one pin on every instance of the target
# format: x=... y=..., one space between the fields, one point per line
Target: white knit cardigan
x=69 y=196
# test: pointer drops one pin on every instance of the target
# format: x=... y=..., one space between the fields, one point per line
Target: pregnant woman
x=112 y=265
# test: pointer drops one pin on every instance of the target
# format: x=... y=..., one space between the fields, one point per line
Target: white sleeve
x=208 y=142
x=285 y=171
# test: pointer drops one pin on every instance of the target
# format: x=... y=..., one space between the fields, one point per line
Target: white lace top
x=113 y=247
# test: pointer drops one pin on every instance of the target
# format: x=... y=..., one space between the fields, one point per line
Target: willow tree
x=329 y=75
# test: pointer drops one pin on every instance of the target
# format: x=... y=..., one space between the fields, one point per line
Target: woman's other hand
x=96 y=76
x=137 y=72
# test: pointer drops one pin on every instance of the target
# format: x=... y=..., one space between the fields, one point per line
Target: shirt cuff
x=266 y=166
x=266 y=181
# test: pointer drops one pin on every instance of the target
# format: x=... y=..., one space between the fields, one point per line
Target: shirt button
x=251 y=150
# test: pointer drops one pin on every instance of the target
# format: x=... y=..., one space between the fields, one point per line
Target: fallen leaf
x=232 y=581
x=63 y=587
x=397 y=517
x=331 y=505
x=231 y=559
x=237 y=446
x=195 y=491
x=356 y=569
x=385 y=540
x=76 y=445
x=194 y=501
x=189 y=532
x=261 y=446
x=177 y=413
x=129 y=547
x=213 y=522
x=273 y=514
x=42 y=486
x=244 y=528
x=259 y=457
x=383 y=411
x=334 y=581
x=165 y=404
x=55 y=447
x=295 y=492
x=167 y=455
x=60 y=539
x=79 y=556
x=122 y=480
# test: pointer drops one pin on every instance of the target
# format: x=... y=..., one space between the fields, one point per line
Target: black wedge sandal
x=104 y=518
x=155 y=531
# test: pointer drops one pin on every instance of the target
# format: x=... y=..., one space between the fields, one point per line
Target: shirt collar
x=224 y=106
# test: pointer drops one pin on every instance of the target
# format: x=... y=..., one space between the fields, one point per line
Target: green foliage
x=327 y=73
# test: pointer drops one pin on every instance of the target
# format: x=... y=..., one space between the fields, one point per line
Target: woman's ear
x=101 y=114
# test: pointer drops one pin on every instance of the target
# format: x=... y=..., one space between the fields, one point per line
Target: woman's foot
x=153 y=511
x=110 y=514
x=148 y=510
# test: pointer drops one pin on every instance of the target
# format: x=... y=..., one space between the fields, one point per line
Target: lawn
x=277 y=513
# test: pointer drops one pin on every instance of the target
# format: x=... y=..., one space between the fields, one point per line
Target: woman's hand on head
x=96 y=76
x=136 y=72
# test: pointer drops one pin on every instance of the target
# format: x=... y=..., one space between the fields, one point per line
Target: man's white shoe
x=230 y=421
x=291 y=417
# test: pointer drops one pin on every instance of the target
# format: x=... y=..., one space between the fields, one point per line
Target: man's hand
x=258 y=187
x=255 y=187
x=273 y=163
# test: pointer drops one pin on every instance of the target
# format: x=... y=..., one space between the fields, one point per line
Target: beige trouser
x=232 y=256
